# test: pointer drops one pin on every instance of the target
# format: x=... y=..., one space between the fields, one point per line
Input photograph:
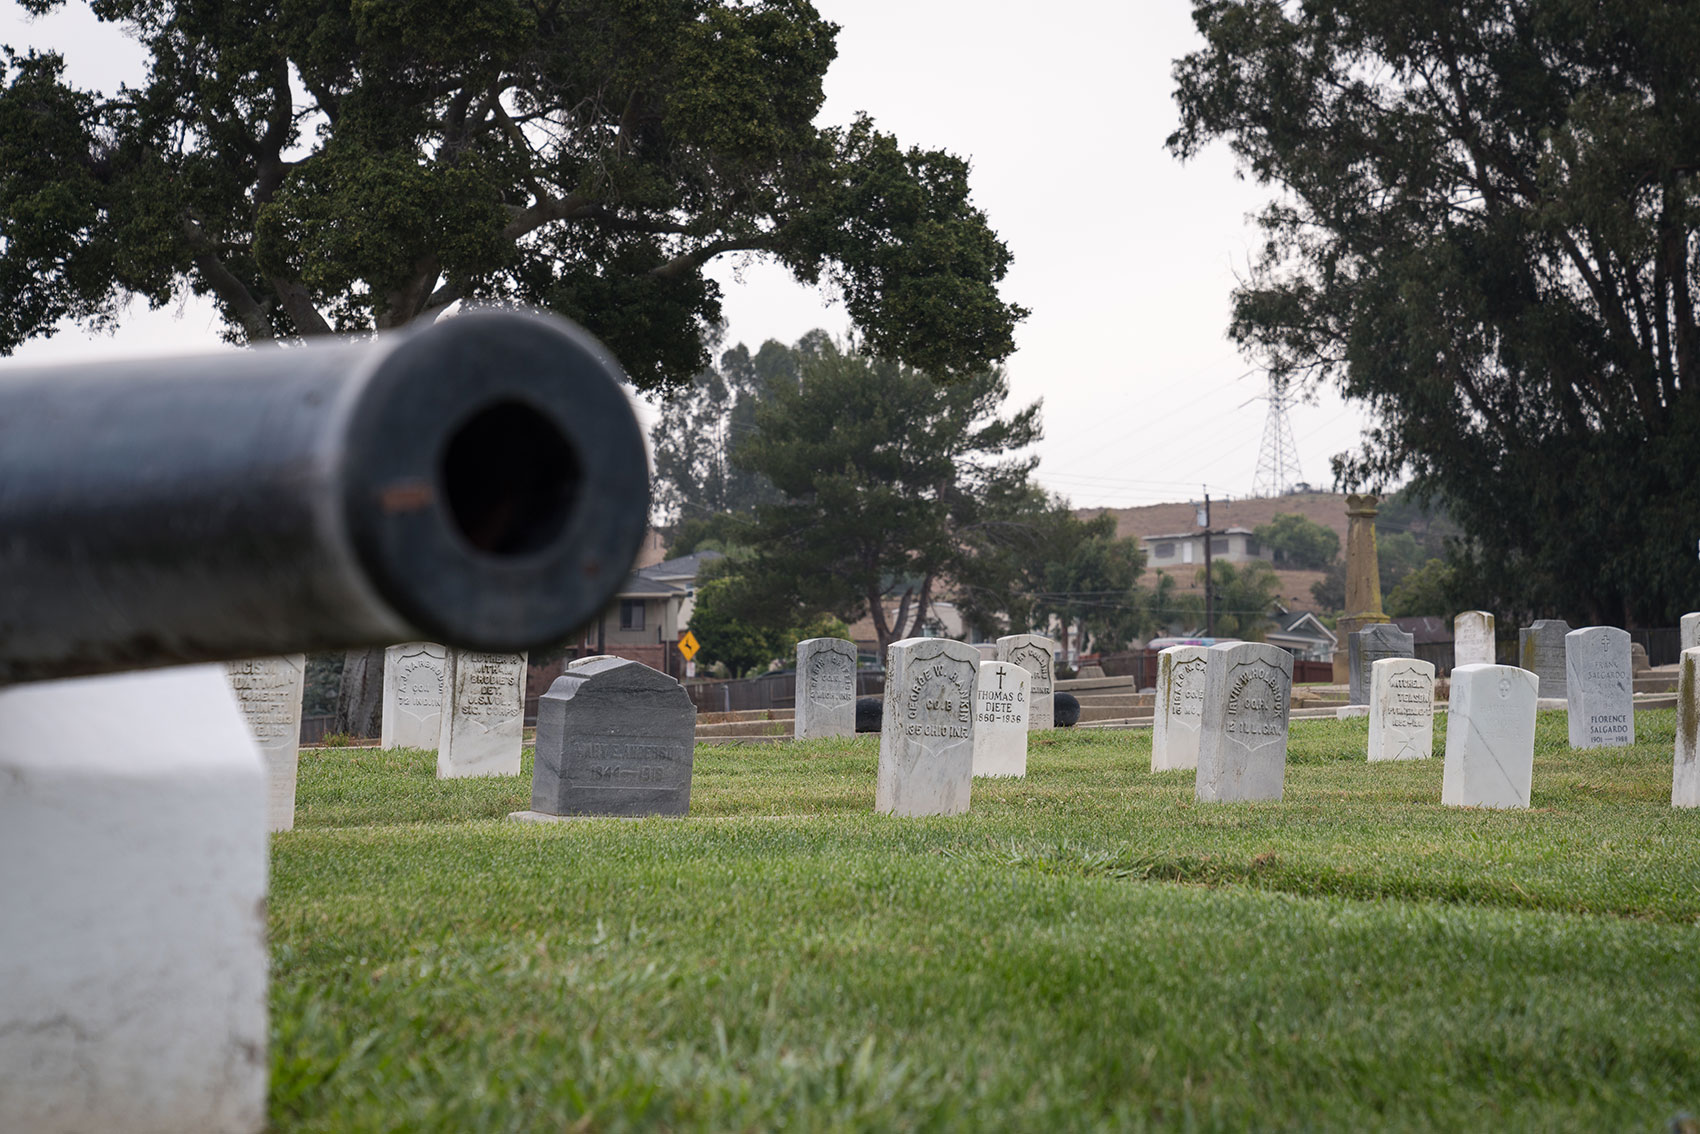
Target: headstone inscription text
x=826 y=688
x=1401 y=709
x=414 y=695
x=1178 y=709
x=1036 y=653
x=1540 y=650
x=1242 y=743
x=926 y=764
x=1600 y=685
x=269 y=691
x=483 y=730
x=1000 y=719
x=614 y=737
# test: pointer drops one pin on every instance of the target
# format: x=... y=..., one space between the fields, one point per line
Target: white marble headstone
x=1242 y=740
x=1540 y=650
x=484 y=729
x=826 y=688
x=1037 y=654
x=927 y=732
x=1690 y=631
x=1000 y=719
x=1685 y=776
x=1178 y=708
x=415 y=691
x=1401 y=709
x=1600 y=684
x=269 y=691
x=1473 y=639
x=1490 y=737
x=133 y=860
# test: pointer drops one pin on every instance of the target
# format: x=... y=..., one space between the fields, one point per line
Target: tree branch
x=225 y=284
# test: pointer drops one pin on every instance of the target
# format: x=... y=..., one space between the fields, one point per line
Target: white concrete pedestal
x=133 y=856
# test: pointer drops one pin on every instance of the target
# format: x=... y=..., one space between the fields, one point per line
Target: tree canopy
x=1299 y=541
x=318 y=166
x=892 y=484
x=1486 y=233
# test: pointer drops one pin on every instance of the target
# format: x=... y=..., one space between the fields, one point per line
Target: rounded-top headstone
x=1473 y=641
x=614 y=737
x=1037 y=654
x=1600 y=687
x=1690 y=631
x=414 y=695
x=1242 y=744
x=1490 y=737
x=826 y=688
x=1401 y=709
x=1368 y=646
x=1178 y=708
x=926 y=764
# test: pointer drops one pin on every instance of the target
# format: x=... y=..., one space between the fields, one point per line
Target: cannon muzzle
x=480 y=482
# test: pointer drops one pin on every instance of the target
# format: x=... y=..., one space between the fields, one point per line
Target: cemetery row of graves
x=615 y=737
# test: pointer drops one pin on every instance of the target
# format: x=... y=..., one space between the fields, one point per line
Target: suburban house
x=650 y=612
x=1302 y=635
x=1232 y=545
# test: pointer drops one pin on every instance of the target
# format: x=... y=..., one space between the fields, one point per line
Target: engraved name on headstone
x=1401 y=709
x=1685 y=775
x=1000 y=719
x=1366 y=647
x=1178 y=708
x=1490 y=737
x=269 y=691
x=484 y=729
x=1540 y=650
x=414 y=694
x=1035 y=653
x=614 y=737
x=1600 y=681
x=826 y=688
x=1242 y=741
x=1473 y=640
x=926 y=764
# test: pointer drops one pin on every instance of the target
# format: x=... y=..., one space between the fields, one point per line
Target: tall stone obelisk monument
x=1363 y=578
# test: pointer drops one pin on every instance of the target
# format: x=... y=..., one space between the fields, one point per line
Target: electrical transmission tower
x=1278 y=456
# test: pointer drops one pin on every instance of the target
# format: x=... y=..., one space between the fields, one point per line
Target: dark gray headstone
x=1368 y=646
x=1540 y=650
x=614 y=737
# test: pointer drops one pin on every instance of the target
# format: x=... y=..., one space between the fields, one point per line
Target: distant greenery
x=1431 y=589
x=1244 y=598
x=1086 y=949
x=1299 y=541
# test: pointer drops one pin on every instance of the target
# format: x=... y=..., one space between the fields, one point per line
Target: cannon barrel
x=480 y=482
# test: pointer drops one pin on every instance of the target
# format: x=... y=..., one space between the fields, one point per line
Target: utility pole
x=1209 y=578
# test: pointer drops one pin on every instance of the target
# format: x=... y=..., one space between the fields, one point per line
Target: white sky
x=1124 y=256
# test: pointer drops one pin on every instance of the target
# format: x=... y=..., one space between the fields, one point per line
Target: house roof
x=1198 y=534
x=640 y=585
x=682 y=567
x=1303 y=624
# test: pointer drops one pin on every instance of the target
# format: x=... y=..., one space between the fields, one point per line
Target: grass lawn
x=1087 y=949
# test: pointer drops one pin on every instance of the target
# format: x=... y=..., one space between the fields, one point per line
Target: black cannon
x=480 y=482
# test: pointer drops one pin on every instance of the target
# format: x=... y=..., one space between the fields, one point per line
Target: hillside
x=1326 y=508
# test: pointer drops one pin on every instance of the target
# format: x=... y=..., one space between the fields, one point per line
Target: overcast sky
x=1124 y=256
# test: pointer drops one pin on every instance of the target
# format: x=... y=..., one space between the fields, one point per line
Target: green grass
x=1087 y=949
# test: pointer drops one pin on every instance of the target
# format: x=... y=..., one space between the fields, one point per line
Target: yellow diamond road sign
x=688 y=645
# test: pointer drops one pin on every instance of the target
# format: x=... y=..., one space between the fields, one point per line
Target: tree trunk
x=360 y=696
